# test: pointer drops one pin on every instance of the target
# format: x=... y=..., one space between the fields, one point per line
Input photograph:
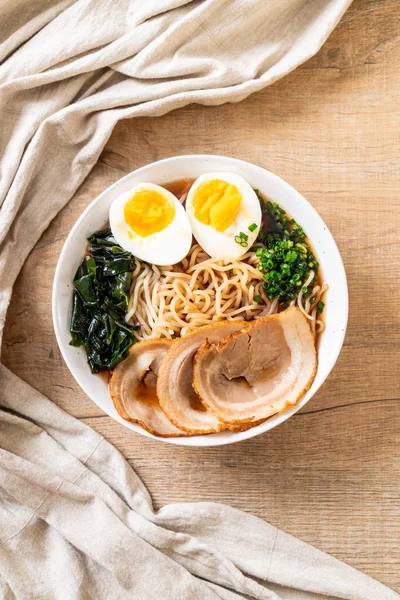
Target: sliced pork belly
x=133 y=388
x=175 y=391
x=258 y=371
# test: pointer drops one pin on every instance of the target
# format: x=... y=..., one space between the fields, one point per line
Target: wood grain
x=331 y=473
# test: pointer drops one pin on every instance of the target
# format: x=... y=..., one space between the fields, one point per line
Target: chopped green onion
x=302 y=248
x=241 y=239
x=286 y=259
x=253 y=227
x=291 y=256
x=275 y=276
x=320 y=307
x=257 y=298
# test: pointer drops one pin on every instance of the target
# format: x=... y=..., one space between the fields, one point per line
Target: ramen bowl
x=190 y=167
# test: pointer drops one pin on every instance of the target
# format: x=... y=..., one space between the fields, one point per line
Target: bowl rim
x=215 y=439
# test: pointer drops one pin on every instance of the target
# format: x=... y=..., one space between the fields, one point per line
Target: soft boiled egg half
x=152 y=224
x=224 y=213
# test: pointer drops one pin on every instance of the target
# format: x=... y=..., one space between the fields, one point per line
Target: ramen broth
x=180 y=189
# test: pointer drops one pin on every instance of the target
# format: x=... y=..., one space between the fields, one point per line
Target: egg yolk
x=217 y=203
x=148 y=212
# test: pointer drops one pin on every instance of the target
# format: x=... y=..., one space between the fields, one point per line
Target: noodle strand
x=176 y=299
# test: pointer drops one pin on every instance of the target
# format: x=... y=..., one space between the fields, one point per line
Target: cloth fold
x=76 y=521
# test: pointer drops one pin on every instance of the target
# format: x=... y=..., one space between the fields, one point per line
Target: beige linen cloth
x=75 y=520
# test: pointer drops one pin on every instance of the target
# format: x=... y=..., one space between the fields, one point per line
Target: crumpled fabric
x=76 y=522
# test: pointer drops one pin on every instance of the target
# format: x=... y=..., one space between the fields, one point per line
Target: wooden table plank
x=331 y=473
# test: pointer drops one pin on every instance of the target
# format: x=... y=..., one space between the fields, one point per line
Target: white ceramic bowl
x=171 y=169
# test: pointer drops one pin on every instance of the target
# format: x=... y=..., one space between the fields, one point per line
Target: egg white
x=166 y=247
x=221 y=244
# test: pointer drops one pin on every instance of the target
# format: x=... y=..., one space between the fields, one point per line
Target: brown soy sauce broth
x=105 y=375
x=180 y=189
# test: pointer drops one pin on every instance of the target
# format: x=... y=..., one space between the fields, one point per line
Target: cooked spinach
x=100 y=302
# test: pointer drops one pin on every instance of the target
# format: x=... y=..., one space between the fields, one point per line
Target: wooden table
x=330 y=474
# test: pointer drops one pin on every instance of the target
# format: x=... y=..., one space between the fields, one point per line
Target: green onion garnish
x=253 y=227
x=285 y=258
x=320 y=307
x=241 y=239
x=257 y=298
x=301 y=248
